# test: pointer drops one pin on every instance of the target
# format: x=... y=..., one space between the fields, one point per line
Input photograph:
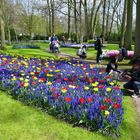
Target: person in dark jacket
x=122 y=53
x=133 y=78
x=98 y=46
x=54 y=38
x=112 y=65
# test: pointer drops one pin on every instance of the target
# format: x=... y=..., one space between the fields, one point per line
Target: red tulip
x=102 y=107
x=67 y=99
x=116 y=105
x=82 y=100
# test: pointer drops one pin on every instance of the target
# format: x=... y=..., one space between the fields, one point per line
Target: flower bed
x=77 y=45
x=114 y=53
x=25 y=47
x=75 y=91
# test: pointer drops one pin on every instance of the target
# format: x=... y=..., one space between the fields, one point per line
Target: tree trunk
x=86 y=20
x=104 y=14
x=75 y=20
x=52 y=9
x=80 y=27
x=49 y=17
x=95 y=17
x=114 y=9
x=137 y=47
x=128 y=33
x=121 y=44
x=2 y=33
x=107 y=18
x=91 y=19
x=9 y=35
x=69 y=19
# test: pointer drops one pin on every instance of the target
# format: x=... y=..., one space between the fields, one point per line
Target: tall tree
x=91 y=18
x=95 y=17
x=69 y=18
x=115 y=6
x=52 y=10
x=104 y=15
x=107 y=17
x=128 y=32
x=80 y=20
x=49 y=17
x=137 y=46
x=86 y=19
x=2 y=32
x=121 y=44
x=75 y=19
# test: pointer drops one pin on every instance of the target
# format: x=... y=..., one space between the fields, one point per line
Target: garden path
x=137 y=104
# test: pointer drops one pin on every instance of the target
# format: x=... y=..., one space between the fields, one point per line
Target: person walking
x=98 y=46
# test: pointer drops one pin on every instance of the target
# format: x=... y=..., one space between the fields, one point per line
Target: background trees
x=79 y=20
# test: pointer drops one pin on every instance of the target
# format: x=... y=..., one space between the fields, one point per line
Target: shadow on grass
x=127 y=92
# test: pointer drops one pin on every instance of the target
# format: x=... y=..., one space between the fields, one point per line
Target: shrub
x=91 y=41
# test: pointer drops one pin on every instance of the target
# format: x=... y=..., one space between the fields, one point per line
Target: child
x=112 y=68
x=112 y=65
x=82 y=52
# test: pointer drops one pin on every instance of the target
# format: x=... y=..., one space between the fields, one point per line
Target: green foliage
x=91 y=41
x=113 y=38
x=24 y=38
x=40 y=37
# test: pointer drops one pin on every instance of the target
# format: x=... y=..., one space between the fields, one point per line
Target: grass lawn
x=91 y=52
x=20 y=122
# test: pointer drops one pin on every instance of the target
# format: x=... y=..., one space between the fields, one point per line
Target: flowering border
x=78 y=92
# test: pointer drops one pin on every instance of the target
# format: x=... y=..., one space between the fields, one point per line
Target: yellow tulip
x=21 y=79
x=96 y=83
x=111 y=83
x=108 y=89
x=26 y=80
x=32 y=73
x=64 y=90
x=93 y=84
x=26 y=84
x=107 y=112
x=95 y=89
x=86 y=88
x=14 y=79
x=4 y=58
x=51 y=75
x=49 y=83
